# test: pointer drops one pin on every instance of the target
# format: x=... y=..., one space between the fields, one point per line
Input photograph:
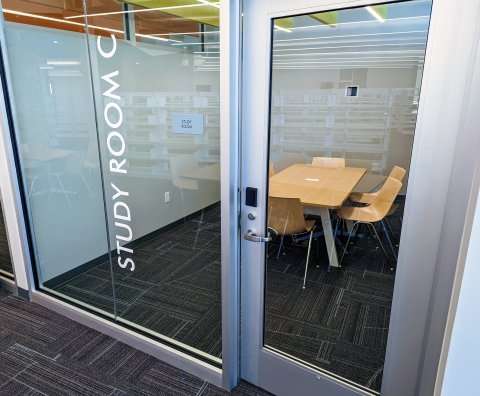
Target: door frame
x=432 y=223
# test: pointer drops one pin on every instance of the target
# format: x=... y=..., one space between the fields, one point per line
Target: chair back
x=398 y=173
x=326 y=162
x=285 y=216
x=181 y=164
x=385 y=197
x=271 y=169
x=74 y=164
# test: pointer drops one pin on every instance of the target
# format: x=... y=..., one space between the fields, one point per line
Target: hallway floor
x=44 y=353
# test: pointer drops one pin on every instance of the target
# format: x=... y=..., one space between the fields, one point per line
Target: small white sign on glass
x=187 y=123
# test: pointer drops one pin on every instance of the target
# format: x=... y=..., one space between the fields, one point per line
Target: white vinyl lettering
x=117 y=211
x=129 y=230
x=116 y=167
x=127 y=262
x=112 y=51
x=120 y=139
x=123 y=248
x=116 y=144
x=112 y=124
x=114 y=85
x=119 y=193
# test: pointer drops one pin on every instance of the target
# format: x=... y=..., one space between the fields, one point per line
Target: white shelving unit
x=328 y=123
x=148 y=130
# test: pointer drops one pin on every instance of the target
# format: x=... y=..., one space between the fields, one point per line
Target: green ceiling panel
x=285 y=23
x=328 y=18
x=381 y=10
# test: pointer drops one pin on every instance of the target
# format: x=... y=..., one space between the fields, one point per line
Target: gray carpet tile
x=5 y=260
x=44 y=353
x=339 y=323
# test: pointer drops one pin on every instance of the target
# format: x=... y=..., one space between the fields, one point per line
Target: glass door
x=330 y=119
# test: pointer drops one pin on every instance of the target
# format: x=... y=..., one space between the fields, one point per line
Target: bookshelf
x=325 y=122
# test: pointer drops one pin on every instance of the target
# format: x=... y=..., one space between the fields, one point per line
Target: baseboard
x=22 y=293
x=6 y=275
x=81 y=269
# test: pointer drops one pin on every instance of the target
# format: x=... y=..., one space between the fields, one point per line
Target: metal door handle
x=253 y=237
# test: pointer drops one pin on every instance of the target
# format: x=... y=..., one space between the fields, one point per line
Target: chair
x=366 y=198
x=397 y=173
x=179 y=165
x=285 y=217
x=73 y=167
x=271 y=169
x=326 y=162
x=373 y=213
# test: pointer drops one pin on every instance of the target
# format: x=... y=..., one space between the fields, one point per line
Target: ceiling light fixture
x=282 y=29
x=134 y=11
x=216 y=5
x=6 y=11
x=344 y=46
x=351 y=35
x=377 y=16
x=63 y=63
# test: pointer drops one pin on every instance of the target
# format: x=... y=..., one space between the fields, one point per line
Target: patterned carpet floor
x=174 y=290
x=44 y=353
x=5 y=261
x=338 y=323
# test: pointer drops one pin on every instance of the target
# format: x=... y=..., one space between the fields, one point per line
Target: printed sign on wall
x=187 y=124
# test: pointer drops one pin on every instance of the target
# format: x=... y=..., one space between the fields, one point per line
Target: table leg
x=327 y=232
x=350 y=225
x=329 y=238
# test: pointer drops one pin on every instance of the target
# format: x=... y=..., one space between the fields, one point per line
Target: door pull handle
x=253 y=237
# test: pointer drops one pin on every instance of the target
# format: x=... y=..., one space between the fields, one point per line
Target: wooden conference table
x=319 y=190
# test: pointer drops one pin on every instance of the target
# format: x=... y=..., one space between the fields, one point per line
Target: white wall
x=463 y=364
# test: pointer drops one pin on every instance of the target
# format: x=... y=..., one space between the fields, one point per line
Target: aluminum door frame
x=424 y=233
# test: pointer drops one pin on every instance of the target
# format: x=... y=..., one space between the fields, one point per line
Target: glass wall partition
x=117 y=122
x=56 y=137
x=344 y=99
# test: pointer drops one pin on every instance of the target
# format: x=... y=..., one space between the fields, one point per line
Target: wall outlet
x=167 y=197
